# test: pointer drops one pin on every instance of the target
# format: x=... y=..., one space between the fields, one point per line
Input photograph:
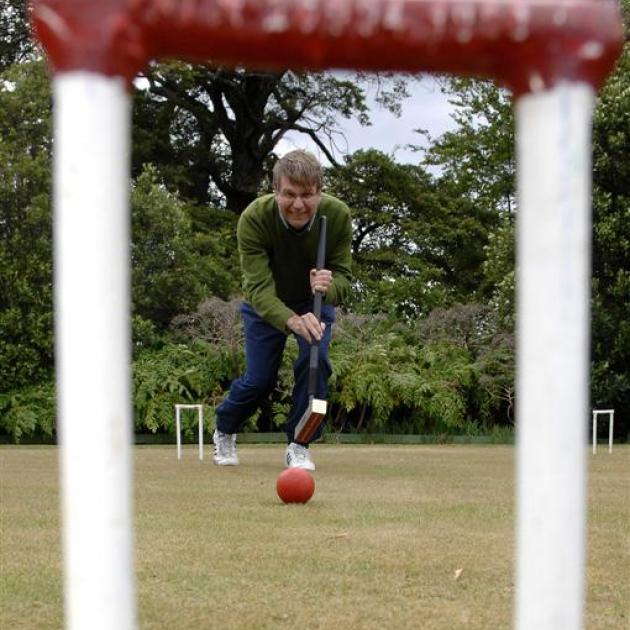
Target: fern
x=28 y=412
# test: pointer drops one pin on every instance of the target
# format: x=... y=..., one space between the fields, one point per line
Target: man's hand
x=306 y=326
x=321 y=279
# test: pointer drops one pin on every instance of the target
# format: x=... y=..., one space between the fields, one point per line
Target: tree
x=212 y=131
x=477 y=170
x=476 y=330
x=16 y=44
x=499 y=274
x=415 y=245
x=26 y=347
x=477 y=160
x=478 y=157
x=611 y=243
x=174 y=267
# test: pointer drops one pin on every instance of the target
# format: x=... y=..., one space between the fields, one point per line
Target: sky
x=426 y=108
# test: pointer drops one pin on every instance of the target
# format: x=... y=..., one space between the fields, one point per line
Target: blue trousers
x=264 y=346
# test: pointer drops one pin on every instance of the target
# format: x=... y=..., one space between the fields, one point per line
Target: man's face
x=298 y=203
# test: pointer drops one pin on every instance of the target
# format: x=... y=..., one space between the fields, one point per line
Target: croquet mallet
x=316 y=410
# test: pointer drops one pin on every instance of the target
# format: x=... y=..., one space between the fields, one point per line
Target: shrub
x=28 y=412
x=177 y=373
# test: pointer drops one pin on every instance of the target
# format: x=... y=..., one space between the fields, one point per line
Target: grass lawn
x=395 y=536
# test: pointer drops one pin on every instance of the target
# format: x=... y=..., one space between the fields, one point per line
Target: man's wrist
x=287 y=326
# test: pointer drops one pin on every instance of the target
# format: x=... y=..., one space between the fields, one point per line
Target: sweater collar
x=304 y=230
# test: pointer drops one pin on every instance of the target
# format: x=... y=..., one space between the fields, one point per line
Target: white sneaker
x=297 y=456
x=225 y=449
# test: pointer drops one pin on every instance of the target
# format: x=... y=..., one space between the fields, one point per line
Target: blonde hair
x=299 y=166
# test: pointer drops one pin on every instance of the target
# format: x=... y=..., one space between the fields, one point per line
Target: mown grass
x=395 y=536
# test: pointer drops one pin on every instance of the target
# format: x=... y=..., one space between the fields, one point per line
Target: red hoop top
x=527 y=45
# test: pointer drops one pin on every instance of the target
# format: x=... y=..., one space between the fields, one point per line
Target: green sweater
x=276 y=260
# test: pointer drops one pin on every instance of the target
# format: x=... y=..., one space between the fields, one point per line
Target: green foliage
x=449 y=372
x=611 y=244
x=452 y=369
x=173 y=267
x=214 y=241
x=391 y=269
x=489 y=349
x=478 y=157
x=177 y=373
x=446 y=376
x=361 y=378
x=477 y=162
x=502 y=434
x=16 y=43
x=478 y=168
x=145 y=335
x=415 y=246
x=499 y=272
x=28 y=412
x=216 y=322
x=26 y=347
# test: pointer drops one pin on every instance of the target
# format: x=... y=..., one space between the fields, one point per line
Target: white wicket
x=178 y=427
x=92 y=325
x=611 y=421
x=553 y=261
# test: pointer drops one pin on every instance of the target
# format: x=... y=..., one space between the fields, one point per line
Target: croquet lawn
x=394 y=537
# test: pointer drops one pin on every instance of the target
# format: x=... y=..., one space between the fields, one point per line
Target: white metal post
x=553 y=350
x=611 y=422
x=91 y=227
x=178 y=427
x=200 y=425
x=178 y=430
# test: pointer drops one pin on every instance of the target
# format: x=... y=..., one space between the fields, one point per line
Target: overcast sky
x=426 y=108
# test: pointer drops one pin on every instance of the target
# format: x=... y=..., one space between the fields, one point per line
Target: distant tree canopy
x=26 y=346
x=611 y=237
x=478 y=158
x=212 y=131
x=16 y=44
x=415 y=244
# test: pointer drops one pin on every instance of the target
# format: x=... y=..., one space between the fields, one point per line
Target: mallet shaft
x=316 y=409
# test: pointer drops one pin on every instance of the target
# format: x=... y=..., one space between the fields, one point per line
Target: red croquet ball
x=295 y=485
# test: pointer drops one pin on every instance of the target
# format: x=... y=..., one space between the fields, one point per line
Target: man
x=277 y=237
